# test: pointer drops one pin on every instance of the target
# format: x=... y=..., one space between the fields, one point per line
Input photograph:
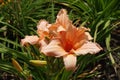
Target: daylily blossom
x=42 y=30
x=70 y=42
x=63 y=39
x=46 y=30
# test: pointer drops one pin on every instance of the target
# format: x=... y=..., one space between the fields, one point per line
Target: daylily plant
x=63 y=39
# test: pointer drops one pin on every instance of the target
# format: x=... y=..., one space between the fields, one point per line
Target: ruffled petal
x=63 y=19
x=60 y=28
x=42 y=44
x=88 y=47
x=54 y=49
x=43 y=25
x=29 y=39
x=88 y=36
x=70 y=61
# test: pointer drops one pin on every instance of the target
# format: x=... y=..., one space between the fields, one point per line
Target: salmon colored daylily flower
x=44 y=29
x=69 y=44
x=63 y=39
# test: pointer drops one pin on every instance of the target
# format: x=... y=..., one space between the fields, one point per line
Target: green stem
x=53 y=13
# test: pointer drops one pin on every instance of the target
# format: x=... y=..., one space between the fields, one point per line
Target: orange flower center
x=72 y=39
x=68 y=46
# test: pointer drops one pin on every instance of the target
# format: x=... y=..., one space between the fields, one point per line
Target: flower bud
x=38 y=62
x=16 y=65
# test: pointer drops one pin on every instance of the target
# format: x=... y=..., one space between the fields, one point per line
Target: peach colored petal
x=42 y=44
x=42 y=34
x=88 y=47
x=62 y=18
x=70 y=61
x=79 y=44
x=60 y=28
x=42 y=28
x=76 y=34
x=54 y=49
x=88 y=36
x=43 y=25
x=30 y=40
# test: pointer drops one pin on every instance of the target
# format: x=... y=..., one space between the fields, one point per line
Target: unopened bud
x=38 y=62
x=16 y=65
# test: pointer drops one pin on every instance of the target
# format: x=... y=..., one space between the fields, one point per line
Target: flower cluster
x=63 y=39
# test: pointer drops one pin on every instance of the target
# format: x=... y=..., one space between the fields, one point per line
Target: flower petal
x=70 y=61
x=62 y=19
x=54 y=49
x=88 y=36
x=30 y=40
x=60 y=28
x=43 y=25
x=42 y=43
x=88 y=47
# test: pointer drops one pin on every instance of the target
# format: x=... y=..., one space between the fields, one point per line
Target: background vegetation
x=19 y=18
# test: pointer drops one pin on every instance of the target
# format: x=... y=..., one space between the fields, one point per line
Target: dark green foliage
x=19 y=18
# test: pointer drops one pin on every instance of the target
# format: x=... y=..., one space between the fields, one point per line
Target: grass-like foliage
x=19 y=18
